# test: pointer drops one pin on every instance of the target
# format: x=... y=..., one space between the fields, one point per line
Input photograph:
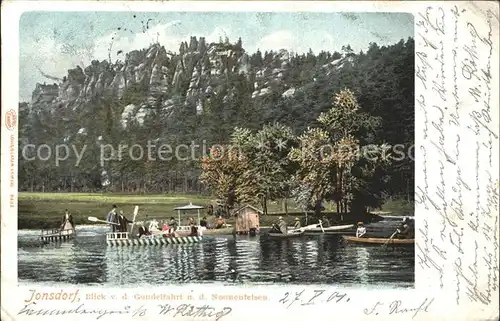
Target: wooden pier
x=56 y=235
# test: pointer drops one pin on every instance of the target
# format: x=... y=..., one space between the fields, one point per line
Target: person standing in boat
x=297 y=224
x=67 y=218
x=361 y=231
x=113 y=218
x=123 y=221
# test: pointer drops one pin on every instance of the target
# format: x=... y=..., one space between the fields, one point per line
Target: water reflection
x=310 y=259
x=362 y=263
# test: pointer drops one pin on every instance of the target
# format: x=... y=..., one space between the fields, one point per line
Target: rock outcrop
x=154 y=76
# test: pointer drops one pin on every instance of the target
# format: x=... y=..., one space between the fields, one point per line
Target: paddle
x=390 y=238
x=95 y=219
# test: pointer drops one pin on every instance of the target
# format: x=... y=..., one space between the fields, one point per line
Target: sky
x=53 y=42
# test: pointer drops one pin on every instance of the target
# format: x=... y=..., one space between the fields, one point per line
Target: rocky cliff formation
x=157 y=77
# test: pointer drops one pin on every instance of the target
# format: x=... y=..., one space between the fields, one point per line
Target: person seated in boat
x=153 y=226
x=123 y=221
x=67 y=218
x=275 y=228
x=173 y=225
x=405 y=232
x=282 y=225
x=325 y=221
x=409 y=222
x=143 y=231
x=361 y=230
x=112 y=218
x=220 y=223
x=297 y=224
x=203 y=222
x=165 y=227
x=194 y=230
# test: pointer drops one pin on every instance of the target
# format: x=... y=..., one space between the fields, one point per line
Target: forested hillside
x=198 y=95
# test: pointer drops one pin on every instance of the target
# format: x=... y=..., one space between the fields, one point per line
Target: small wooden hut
x=247 y=219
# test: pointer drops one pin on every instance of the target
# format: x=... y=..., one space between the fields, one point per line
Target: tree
x=351 y=131
x=268 y=170
x=315 y=178
x=220 y=172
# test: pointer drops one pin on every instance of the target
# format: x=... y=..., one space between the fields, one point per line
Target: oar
x=95 y=219
x=390 y=238
x=321 y=225
x=136 y=210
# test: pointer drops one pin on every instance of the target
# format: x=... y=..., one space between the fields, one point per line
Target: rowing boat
x=288 y=235
x=317 y=229
x=376 y=240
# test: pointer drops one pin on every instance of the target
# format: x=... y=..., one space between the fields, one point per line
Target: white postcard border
x=437 y=254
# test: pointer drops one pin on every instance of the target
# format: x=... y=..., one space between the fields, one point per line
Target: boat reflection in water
x=224 y=259
x=362 y=264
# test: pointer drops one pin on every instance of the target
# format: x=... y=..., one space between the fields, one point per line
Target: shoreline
x=45 y=210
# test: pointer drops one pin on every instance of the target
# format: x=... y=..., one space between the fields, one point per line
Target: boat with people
x=185 y=230
x=121 y=235
x=64 y=233
x=378 y=240
x=219 y=228
x=280 y=230
x=124 y=239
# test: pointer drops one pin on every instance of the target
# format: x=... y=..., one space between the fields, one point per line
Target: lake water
x=321 y=259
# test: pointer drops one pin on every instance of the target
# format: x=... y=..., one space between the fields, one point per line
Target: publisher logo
x=10 y=119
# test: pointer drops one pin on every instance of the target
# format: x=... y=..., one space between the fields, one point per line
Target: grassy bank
x=44 y=210
x=41 y=210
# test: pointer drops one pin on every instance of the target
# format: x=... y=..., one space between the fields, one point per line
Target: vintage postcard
x=250 y=160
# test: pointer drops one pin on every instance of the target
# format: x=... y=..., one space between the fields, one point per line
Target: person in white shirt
x=67 y=218
x=361 y=231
